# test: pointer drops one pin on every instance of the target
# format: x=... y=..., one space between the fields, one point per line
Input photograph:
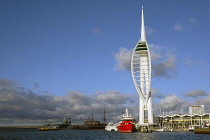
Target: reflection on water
x=34 y=134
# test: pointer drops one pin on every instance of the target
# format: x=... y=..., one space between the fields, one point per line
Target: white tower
x=141 y=73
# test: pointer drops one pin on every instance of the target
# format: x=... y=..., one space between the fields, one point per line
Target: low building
x=196 y=116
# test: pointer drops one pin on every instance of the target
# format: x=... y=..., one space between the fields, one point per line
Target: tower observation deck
x=141 y=73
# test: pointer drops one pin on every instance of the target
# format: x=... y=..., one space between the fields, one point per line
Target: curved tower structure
x=141 y=73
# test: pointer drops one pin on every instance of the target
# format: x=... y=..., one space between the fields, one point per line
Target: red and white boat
x=127 y=124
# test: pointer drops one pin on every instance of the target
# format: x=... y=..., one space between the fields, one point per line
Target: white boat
x=111 y=126
x=164 y=129
x=160 y=130
x=192 y=127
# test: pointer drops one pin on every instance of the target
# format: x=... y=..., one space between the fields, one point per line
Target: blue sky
x=54 y=48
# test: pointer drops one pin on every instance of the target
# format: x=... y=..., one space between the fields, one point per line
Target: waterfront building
x=141 y=74
x=196 y=116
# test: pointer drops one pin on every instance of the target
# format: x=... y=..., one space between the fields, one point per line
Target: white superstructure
x=141 y=73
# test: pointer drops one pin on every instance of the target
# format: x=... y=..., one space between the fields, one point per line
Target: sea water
x=34 y=134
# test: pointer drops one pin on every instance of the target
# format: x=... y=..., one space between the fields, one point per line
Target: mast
x=143 y=33
x=92 y=116
x=104 y=116
x=122 y=110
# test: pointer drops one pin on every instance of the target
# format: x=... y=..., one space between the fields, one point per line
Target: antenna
x=160 y=111
x=104 y=116
x=181 y=111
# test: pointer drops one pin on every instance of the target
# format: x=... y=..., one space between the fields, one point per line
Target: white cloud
x=185 y=26
x=123 y=58
x=192 y=20
x=171 y=103
x=170 y=62
x=174 y=103
x=156 y=94
x=196 y=93
x=204 y=101
x=149 y=31
x=163 y=61
x=178 y=27
x=111 y=96
x=166 y=68
x=155 y=52
x=97 y=31
x=188 y=61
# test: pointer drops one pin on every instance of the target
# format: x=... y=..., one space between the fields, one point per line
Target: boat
x=164 y=129
x=126 y=124
x=93 y=125
x=202 y=130
x=159 y=130
x=192 y=127
x=111 y=126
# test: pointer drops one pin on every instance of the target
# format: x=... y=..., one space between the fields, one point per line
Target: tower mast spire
x=141 y=73
x=143 y=34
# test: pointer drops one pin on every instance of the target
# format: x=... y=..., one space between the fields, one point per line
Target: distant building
x=196 y=110
x=66 y=121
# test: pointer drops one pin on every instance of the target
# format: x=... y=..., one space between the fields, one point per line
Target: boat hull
x=110 y=129
x=47 y=129
x=159 y=130
x=126 y=128
x=202 y=130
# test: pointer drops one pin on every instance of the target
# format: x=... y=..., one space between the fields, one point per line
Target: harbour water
x=34 y=134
